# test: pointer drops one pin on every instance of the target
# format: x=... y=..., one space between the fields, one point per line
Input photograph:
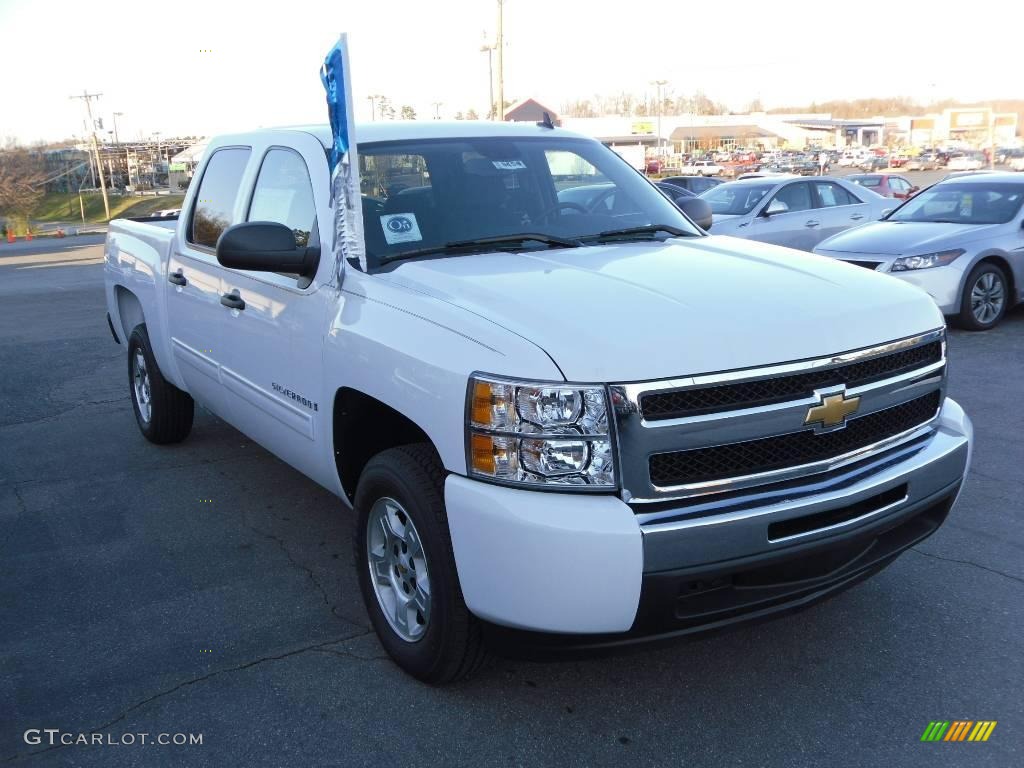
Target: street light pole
x=659 y=84
x=437 y=109
x=116 y=115
x=489 y=50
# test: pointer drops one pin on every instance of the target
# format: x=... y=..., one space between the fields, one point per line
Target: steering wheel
x=559 y=206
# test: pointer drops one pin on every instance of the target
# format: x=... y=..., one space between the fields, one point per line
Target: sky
x=199 y=68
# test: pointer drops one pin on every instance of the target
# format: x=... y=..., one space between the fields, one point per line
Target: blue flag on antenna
x=345 y=198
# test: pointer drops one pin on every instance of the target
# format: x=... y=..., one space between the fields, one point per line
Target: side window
x=831 y=195
x=215 y=201
x=578 y=184
x=284 y=194
x=796 y=196
x=898 y=185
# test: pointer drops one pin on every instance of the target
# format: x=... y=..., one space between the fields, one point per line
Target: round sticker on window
x=400 y=228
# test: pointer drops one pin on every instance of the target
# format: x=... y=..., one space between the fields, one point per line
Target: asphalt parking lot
x=208 y=588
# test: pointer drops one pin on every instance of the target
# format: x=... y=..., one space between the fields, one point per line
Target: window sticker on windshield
x=509 y=165
x=400 y=228
x=966 y=204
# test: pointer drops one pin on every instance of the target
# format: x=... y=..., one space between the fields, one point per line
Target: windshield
x=735 y=199
x=963 y=204
x=423 y=195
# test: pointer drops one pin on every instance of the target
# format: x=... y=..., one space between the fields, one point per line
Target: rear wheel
x=985 y=298
x=406 y=567
x=163 y=412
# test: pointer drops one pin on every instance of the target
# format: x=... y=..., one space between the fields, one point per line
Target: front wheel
x=985 y=298
x=406 y=566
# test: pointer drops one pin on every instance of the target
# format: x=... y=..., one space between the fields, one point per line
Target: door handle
x=177 y=278
x=857 y=216
x=812 y=223
x=232 y=300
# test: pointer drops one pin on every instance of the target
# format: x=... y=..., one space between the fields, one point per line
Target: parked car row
x=792 y=211
x=960 y=239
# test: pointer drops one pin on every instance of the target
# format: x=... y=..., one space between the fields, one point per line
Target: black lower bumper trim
x=677 y=604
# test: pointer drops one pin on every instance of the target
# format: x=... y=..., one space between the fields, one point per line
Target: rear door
x=194 y=285
x=795 y=228
x=837 y=209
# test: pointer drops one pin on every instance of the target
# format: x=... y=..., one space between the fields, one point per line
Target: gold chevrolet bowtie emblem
x=832 y=411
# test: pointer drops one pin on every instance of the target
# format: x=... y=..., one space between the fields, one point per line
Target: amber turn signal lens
x=482 y=402
x=482 y=450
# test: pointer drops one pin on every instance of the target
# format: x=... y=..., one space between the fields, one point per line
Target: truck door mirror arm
x=266 y=246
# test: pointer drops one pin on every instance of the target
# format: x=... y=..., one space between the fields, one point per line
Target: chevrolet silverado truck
x=559 y=424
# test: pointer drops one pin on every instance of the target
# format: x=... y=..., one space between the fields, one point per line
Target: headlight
x=926 y=261
x=539 y=434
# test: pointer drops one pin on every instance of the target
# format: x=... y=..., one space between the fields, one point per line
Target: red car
x=885 y=184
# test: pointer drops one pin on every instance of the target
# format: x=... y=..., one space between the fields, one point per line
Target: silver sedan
x=792 y=211
x=961 y=240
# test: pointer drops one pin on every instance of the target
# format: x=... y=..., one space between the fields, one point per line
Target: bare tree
x=22 y=174
x=408 y=113
x=472 y=115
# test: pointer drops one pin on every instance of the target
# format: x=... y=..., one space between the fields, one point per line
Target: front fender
x=415 y=353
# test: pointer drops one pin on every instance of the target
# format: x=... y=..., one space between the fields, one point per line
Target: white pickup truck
x=560 y=424
x=701 y=168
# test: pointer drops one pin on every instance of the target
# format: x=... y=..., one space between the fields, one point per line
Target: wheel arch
x=363 y=426
x=129 y=310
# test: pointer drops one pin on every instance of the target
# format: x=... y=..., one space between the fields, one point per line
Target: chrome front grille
x=673 y=404
x=794 y=449
x=701 y=435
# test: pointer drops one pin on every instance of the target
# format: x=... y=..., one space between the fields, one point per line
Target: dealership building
x=955 y=127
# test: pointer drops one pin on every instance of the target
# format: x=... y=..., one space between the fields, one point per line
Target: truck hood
x=904 y=238
x=638 y=311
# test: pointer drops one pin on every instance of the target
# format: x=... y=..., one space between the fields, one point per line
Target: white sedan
x=792 y=211
x=960 y=240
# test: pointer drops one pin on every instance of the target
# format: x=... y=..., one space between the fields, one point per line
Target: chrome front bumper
x=878 y=492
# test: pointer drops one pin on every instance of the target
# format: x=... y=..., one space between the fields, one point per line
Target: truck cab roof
x=415 y=130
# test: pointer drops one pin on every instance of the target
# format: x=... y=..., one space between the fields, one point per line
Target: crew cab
x=560 y=421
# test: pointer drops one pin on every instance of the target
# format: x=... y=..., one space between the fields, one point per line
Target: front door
x=274 y=342
x=195 y=315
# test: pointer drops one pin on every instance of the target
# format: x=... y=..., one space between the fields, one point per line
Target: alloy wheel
x=398 y=569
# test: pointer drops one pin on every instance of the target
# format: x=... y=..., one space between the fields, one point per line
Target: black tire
x=170 y=410
x=452 y=645
x=967 y=319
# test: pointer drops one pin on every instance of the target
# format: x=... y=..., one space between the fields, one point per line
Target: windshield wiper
x=649 y=229
x=507 y=241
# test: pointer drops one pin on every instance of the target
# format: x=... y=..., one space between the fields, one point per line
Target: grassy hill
x=64 y=207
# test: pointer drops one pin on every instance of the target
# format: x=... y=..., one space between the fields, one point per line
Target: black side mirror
x=265 y=246
x=697 y=209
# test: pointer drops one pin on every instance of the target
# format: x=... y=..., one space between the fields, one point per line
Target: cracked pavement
x=128 y=605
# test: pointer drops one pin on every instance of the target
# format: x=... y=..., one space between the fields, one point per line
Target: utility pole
x=116 y=115
x=500 y=45
x=661 y=105
x=87 y=98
